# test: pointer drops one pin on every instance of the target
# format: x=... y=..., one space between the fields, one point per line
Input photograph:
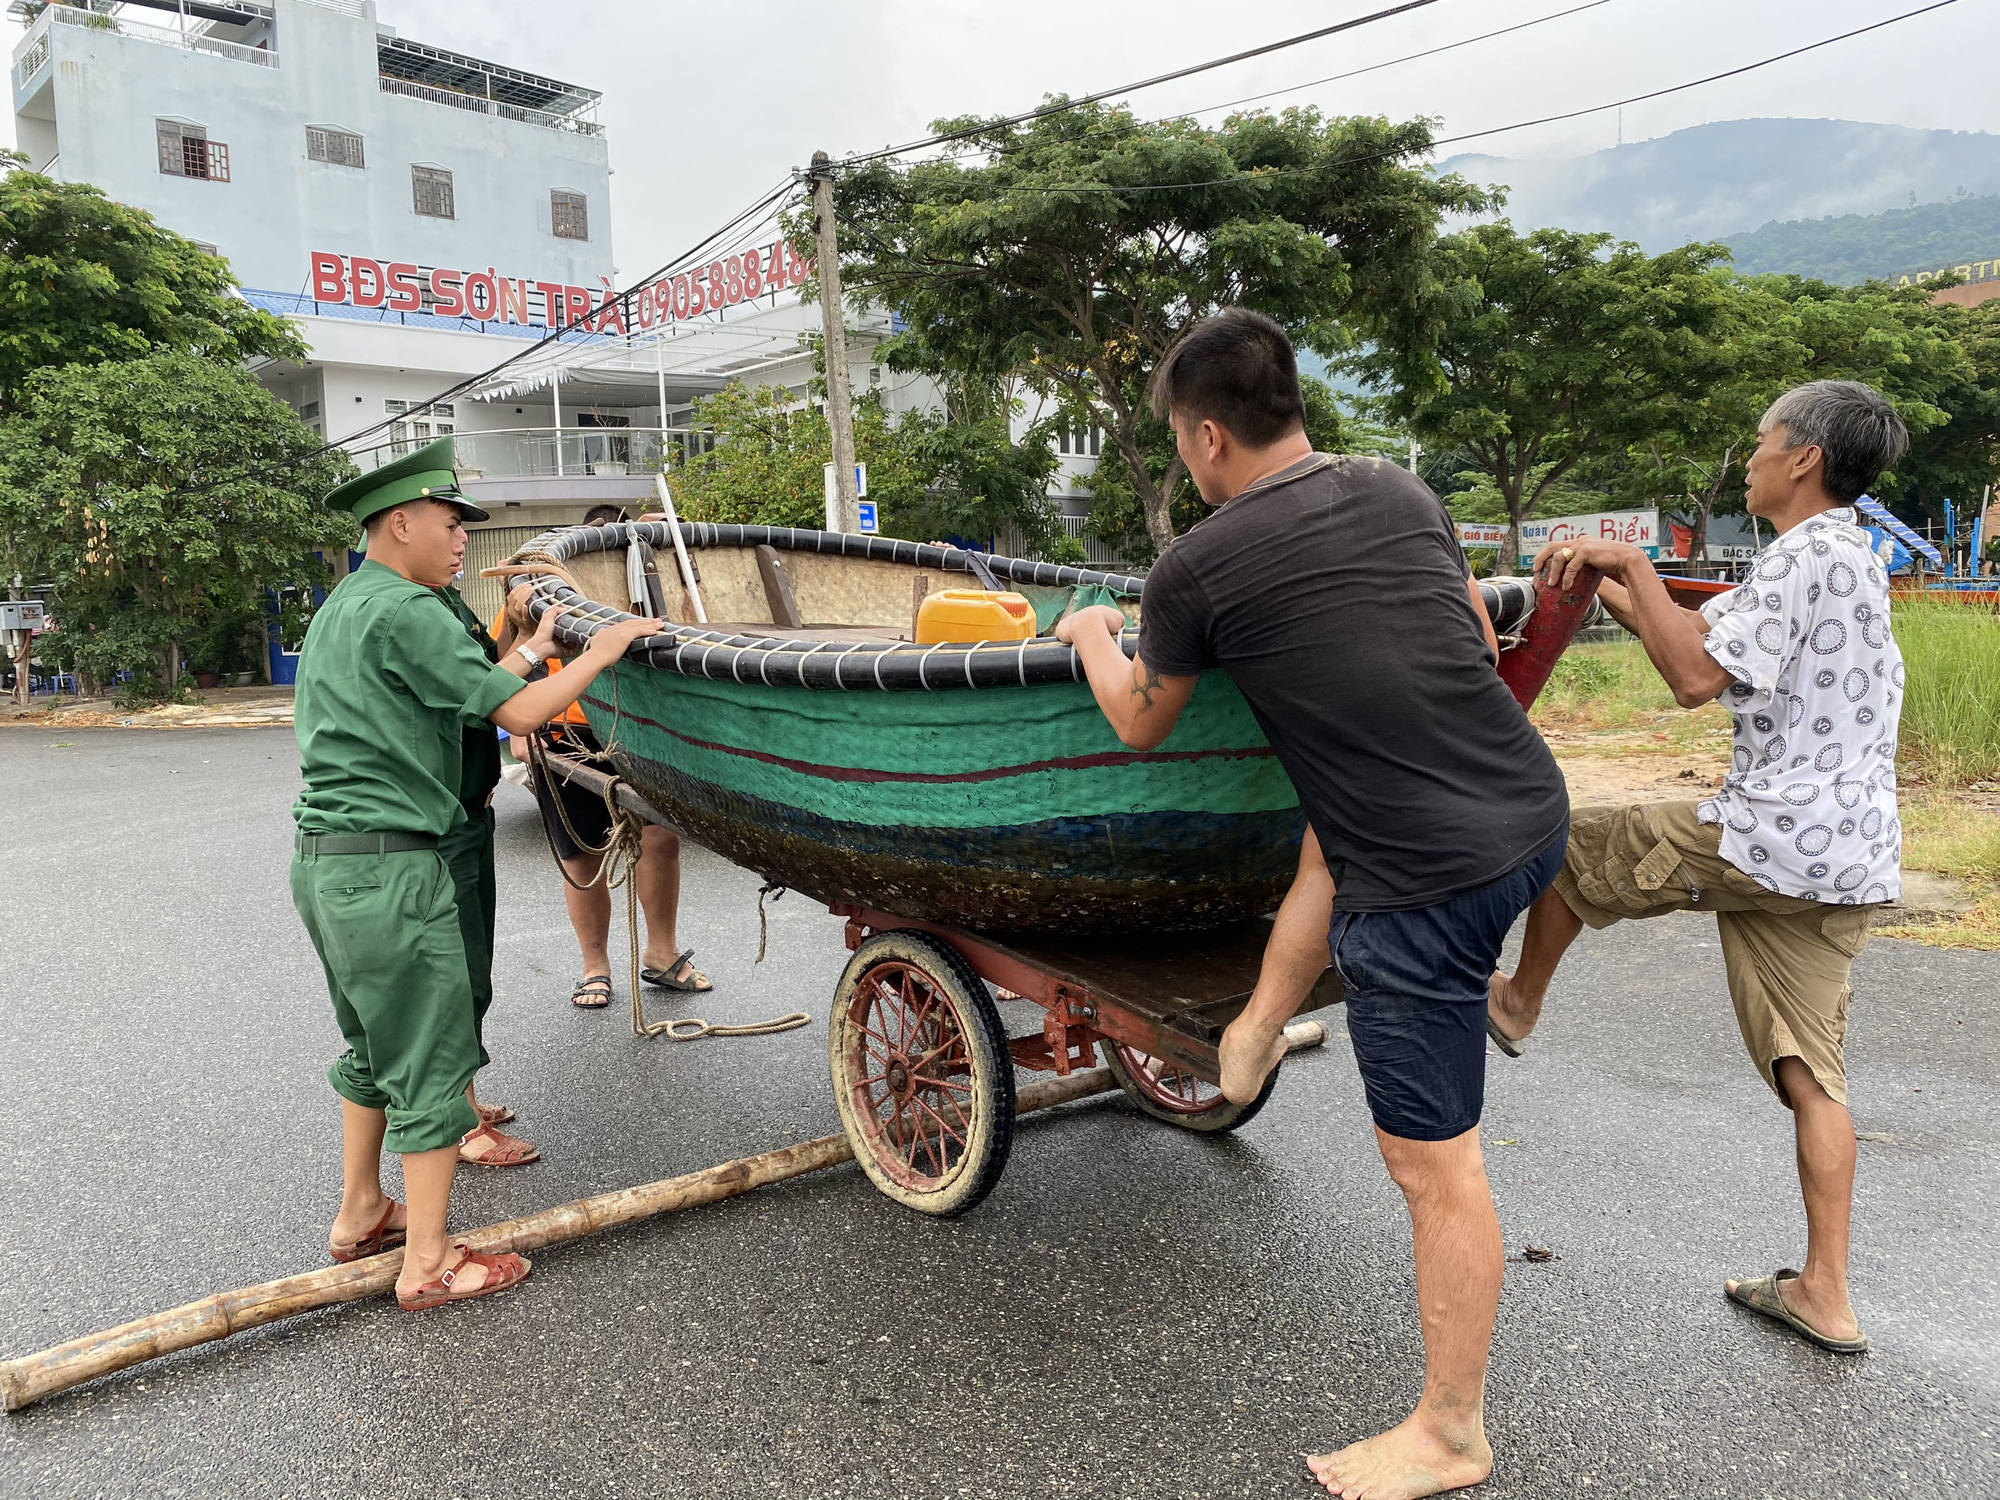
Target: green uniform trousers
x=468 y=850
x=386 y=929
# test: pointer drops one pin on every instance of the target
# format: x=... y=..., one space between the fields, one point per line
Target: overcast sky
x=708 y=105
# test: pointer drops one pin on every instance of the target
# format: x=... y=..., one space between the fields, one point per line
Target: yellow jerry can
x=974 y=615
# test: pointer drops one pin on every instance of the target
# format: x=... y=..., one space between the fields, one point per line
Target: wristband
x=528 y=655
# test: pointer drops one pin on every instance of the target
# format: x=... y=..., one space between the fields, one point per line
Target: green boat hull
x=1009 y=809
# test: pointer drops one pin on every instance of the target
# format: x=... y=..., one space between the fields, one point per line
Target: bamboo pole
x=33 y=1376
x=28 y=1379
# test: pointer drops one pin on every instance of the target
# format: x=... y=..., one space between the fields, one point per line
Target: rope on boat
x=893 y=667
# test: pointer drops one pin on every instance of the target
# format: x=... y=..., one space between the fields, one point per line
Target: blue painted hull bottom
x=1108 y=874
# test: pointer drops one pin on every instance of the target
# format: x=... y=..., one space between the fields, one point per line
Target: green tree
x=160 y=497
x=1070 y=252
x=955 y=473
x=1551 y=349
x=84 y=279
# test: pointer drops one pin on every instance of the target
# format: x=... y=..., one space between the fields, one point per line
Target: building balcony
x=456 y=81
x=557 y=453
x=31 y=54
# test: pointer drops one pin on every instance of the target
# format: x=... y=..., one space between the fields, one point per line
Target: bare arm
x=542 y=643
x=1617 y=601
x=1671 y=635
x=1485 y=622
x=539 y=702
x=1141 y=704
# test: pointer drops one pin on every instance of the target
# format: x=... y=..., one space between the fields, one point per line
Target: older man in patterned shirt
x=1802 y=842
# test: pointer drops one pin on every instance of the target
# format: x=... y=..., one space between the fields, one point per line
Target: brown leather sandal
x=502 y=1271
x=384 y=1236
x=494 y=1114
x=508 y=1150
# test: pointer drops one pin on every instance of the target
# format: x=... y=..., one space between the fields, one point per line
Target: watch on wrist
x=529 y=655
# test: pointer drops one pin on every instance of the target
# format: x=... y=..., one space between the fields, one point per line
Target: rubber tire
x=991 y=1135
x=1220 y=1117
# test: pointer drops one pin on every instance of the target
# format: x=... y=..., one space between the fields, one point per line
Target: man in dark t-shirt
x=1333 y=592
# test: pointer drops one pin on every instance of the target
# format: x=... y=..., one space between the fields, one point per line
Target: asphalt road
x=1134 y=1312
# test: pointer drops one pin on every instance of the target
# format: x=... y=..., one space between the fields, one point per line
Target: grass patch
x=1950 y=733
x=1949 y=836
x=1610 y=688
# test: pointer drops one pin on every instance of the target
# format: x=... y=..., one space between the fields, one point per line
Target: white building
x=422 y=215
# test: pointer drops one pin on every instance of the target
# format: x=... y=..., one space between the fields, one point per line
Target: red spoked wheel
x=921 y=1073
x=1168 y=1092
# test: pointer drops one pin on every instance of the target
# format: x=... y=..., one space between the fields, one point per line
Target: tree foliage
x=160 y=497
x=1550 y=347
x=84 y=279
x=1070 y=252
x=956 y=473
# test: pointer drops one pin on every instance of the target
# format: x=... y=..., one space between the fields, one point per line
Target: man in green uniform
x=387 y=681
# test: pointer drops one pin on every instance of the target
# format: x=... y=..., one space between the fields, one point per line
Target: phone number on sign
x=722 y=283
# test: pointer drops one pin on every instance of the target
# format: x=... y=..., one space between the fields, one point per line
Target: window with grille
x=407 y=434
x=569 y=215
x=341 y=147
x=1080 y=442
x=431 y=189
x=186 y=151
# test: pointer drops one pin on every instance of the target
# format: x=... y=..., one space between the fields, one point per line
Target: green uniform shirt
x=482 y=744
x=388 y=680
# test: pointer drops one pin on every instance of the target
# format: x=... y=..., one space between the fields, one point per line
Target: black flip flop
x=663 y=979
x=591 y=984
x=1504 y=1042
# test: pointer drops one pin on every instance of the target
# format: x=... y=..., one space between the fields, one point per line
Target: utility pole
x=833 y=320
x=1416 y=448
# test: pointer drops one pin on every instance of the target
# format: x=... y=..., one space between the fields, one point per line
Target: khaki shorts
x=1788 y=958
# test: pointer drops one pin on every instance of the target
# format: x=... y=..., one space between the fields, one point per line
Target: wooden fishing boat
x=803 y=733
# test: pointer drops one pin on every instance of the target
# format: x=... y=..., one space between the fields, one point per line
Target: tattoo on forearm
x=1144 y=685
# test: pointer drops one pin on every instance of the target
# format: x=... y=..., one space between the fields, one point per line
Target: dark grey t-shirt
x=1335 y=595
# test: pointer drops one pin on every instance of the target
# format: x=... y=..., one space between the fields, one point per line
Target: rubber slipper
x=494 y=1114
x=663 y=979
x=508 y=1150
x=1762 y=1296
x=592 y=992
x=384 y=1236
x=502 y=1272
x=1504 y=1042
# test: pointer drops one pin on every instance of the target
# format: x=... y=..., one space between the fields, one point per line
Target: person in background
x=468 y=850
x=579 y=826
x=1802 y=842
x=1333 y=591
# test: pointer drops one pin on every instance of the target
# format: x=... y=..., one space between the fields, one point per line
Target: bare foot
x=1248 y=1054
x=1510 y=1011
x=1407 y=1461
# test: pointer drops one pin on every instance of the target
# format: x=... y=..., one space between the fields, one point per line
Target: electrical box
x=23 y=614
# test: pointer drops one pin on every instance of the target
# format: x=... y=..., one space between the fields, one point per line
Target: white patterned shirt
x=1809 y=805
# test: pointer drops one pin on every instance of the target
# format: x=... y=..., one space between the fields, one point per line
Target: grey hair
x=1856 y=431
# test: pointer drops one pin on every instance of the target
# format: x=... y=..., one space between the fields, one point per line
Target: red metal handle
x=1558 y=612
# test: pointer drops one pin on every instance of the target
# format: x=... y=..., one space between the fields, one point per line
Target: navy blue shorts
x=1416 y=986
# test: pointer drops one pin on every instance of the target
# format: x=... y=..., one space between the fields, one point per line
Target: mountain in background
x=1725 y=179
x=1858 y=247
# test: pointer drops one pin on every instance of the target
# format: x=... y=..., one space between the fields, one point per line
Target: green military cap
x=426 y=474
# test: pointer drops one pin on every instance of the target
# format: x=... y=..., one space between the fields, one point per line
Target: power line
x=1485 y=36
x=1473 y=135
x=1132 y=88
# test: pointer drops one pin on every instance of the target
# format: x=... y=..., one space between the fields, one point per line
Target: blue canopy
x=1879 y=514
